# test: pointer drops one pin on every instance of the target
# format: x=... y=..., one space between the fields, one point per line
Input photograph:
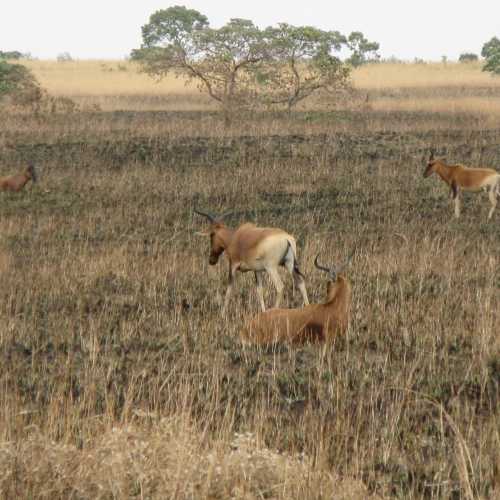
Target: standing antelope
x=312 y=323
x=463 y=178
x=17 y=182
x=257 y=249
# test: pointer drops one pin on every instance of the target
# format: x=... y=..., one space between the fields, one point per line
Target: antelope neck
x=444 y=172
x=226 y=235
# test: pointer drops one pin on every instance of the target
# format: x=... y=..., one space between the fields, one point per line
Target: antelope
x=312 y=323
x=459 y=177
x=257 y=249
x=17 y=182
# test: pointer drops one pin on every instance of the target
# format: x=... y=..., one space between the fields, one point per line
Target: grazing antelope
x=17 y=182
x=257 y=249
x=463 y=178
x=311 y=323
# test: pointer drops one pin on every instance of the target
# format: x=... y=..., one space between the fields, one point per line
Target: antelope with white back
x=312 y=323
x=461 y=178
x=257 y=249
x=17 y=182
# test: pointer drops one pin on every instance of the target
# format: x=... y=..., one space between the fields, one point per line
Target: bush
x=468 y=57
x=491 y=52
x=18 y=84
x=64 y=57
x=11 y=54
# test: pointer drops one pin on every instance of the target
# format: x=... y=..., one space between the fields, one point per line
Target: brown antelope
x=17 y=182
x=463 y=178
x=257 y=249
x=312 y=323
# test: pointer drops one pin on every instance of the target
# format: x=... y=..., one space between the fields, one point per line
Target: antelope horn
x=431 y=157
x=331 y=272
x=209 y=216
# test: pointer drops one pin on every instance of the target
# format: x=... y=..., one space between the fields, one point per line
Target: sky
x=110 y=29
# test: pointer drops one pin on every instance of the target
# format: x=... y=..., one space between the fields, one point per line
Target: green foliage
x=493 y=63
x=239 y=65
x=468 y=57
x=18 y=84
x=490 y=47
x=11 y=54
x=179 y=40
x=300 y=63
x=491 y=52
x=362 y=50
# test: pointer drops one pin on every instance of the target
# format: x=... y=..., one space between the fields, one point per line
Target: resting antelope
x=312 y=323
x=463 y=178
x=257 y=249
x=17 y=182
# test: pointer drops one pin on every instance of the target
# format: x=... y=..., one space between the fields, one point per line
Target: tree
x=490 y=47
x=467 y=57
x=18 y=83
x=11 y=54
x=300 y=63
x=491 y=52
x=64 y=57
x=179 y=40
x=362 y=50
x=239 y=65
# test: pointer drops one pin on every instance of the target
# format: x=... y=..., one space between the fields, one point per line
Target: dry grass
x=166 y=459
x=118 y=85
x=425 y=75
x=111 y=388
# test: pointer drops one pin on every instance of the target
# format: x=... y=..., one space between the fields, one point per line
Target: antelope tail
x=290 y=254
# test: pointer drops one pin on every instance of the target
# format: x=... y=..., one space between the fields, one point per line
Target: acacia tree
x=179 y=40
x=491 y=52
x=300 y=62
x=239 y=65
x=362 y=50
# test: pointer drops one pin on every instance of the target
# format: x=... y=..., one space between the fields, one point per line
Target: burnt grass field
x=110 y=314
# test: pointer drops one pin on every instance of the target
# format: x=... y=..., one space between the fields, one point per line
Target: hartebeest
x=17 y=182
x=257 y=249
x=312 y=323
x=459 y=177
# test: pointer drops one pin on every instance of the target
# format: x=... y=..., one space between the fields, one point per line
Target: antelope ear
x=202 y=233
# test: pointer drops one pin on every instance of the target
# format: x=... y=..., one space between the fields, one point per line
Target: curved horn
x=331 y=272
x=209 y=216
x=319 y=266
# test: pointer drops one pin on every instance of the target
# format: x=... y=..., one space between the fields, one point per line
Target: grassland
x=111 y=388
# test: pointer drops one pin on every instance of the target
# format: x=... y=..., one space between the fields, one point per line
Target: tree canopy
x=491 y=52
x=18 y=83
x=241 y=65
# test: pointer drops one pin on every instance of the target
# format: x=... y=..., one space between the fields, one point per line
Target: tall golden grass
x=121 y=85
x=121 y=379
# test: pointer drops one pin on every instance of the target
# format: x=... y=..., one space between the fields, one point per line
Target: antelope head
x=430 y=165
x=214 y=231
x=335 y=280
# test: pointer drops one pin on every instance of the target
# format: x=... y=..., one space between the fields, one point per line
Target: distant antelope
x=257 y=249
x=463 y=178
x=17 y=182
x=312 y=323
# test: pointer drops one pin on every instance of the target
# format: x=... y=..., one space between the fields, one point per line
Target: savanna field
x=119 y=376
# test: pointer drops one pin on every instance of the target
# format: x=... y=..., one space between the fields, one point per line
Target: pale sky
x=104 y=29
